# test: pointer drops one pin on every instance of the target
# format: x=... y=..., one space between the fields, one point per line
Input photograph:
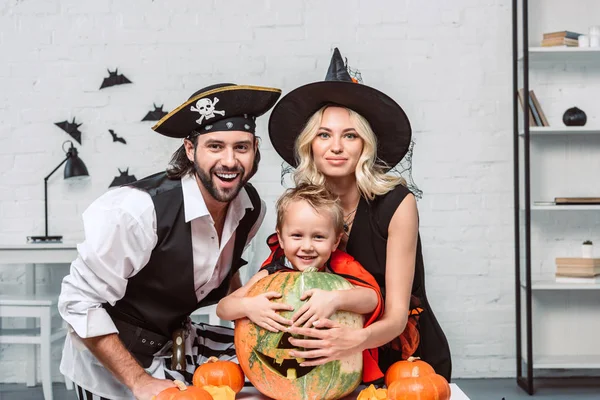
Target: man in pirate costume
x=161 y=247
x=347 y=136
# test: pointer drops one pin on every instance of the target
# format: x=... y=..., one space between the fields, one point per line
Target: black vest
x=162 y=295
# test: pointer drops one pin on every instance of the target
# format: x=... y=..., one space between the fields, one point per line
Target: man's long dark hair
x=180 y=165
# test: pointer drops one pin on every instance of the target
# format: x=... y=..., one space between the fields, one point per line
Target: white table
x=250 y=393
x=32 y=254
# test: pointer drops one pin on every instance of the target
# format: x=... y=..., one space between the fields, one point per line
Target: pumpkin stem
x=311 y=269
x=411 y=359
x=180 y=384
x=211 y=359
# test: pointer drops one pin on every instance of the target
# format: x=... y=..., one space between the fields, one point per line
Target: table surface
x=38 y=246
x=250 y=393
x=38 y=253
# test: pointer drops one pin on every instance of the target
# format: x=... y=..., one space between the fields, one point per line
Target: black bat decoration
x=156 y=114
x=117 y=138
x=114 y=78
x=123 y=179
x=71 y=128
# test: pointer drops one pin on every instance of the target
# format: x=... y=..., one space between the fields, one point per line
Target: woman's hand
x=321 y=304
x=331 y=341
x=264 y=312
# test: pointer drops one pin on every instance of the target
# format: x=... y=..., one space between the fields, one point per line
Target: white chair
x=43 y=308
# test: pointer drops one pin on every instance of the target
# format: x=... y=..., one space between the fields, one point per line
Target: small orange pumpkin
x=223 y=392
x=182 y=392
x=216 y=372
x=370 y=393
x=428 y=387
x=412 y=367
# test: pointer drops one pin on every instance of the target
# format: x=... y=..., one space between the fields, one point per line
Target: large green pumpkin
x=264 y=356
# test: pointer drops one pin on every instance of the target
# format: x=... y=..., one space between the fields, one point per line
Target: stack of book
x=562 y=38
x=578 y=270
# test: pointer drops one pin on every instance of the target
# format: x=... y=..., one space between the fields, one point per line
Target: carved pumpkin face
x=264 y=356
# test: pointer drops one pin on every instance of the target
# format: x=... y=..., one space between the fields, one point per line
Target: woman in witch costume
x=346 y=136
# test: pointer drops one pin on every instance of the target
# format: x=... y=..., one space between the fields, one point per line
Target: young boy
x=309 y=228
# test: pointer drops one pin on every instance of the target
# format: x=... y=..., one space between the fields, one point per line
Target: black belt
x=140 y=342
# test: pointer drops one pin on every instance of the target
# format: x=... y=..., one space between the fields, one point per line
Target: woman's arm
x=337 y=341
x=399 y=274
x=360 y=300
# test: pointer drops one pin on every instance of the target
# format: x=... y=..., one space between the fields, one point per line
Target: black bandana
x=245 y=123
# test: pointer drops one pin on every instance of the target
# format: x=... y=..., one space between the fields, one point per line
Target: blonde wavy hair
x=371 y=177
x=318 y=197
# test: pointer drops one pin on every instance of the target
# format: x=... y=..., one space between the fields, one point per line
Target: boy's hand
x=264 y=312
x=321 y=304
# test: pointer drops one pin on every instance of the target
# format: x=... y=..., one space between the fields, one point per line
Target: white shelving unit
x=551 y=131
x=554 y=207
x=563 y=54
x=569 y=362
x=553 y=285
x=557 y=322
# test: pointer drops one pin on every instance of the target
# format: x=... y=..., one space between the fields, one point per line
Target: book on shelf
x=576 y=200
x=560 y=42
x=536 y=114
x=577 y=270
x=538 y=108
x=543 y=203
x=532 y=120
x=576 y=279
x=578 y=262
x=562 y=34
x=578 y=274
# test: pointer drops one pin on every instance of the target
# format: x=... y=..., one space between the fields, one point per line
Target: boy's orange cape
x=346 y=266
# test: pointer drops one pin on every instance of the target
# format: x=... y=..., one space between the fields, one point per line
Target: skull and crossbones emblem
x=206 y=109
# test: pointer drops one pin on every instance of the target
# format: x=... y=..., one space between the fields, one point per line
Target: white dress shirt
x=120 y=234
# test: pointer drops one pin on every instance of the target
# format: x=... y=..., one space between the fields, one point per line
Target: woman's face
x=337 y=146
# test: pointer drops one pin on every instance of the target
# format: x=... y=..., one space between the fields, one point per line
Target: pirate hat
x=386 y=117
x=205 y=108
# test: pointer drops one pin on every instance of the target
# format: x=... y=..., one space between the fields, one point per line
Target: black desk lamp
x=74 y=168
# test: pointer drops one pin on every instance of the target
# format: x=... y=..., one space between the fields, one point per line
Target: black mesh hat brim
x=386 y=117
x=233 y=100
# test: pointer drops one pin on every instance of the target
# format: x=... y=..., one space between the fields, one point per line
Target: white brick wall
x=446 y=62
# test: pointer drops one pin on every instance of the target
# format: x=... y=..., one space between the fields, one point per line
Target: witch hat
x=387 y=119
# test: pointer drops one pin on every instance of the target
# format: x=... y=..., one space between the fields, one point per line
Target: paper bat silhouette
x=71 y=128
x=117 y=138
x=114 y=78
x=123 y=179
x=156 y=114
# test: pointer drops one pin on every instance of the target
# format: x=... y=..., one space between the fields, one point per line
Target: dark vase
x=574 y=117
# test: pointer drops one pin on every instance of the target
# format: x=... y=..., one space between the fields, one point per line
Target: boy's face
x=307 y=237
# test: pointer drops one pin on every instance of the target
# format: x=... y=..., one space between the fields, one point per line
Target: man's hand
x=147 y=387
x=264 y=312
x=321 y=304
